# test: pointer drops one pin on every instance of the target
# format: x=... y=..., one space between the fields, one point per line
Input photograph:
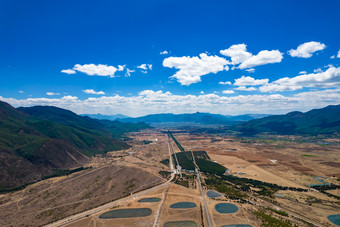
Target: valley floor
x=124 y=173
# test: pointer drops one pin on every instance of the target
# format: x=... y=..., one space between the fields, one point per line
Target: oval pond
x=183 y=205
x=126 y=213
x=335 y=218
x=226 y=208
x=213 y=194
x=149 y=200
x=180 y=224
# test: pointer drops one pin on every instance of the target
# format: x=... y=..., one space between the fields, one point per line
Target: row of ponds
x=223 y=208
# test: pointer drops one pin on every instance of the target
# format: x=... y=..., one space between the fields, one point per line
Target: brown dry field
x=174 y=194
x=282 y=164
x=118 y=174
x=112 y=176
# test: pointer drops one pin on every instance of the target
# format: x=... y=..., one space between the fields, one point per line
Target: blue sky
x=227 y=57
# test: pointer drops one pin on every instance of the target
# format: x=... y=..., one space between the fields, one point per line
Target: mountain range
x=198 y=117
x=35 y=141
x=317 y=121
x=105 y=117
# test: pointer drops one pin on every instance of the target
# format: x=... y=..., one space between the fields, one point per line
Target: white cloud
x=202 y=92
x=228 y=92
x=243 y=88
x=99 y=70
x=302 y=72
x=262 y=58
x=225 y=83
x=68 y=71
x=338 y=55
x=91 y=91
x=121 y=67
x=240 y=55
x=148 y=102
x=20 y=92
x=145 y=67
x=142 y=66
x=249 y=81
x=307 y=49
x=192 y=68
x=321 y=79
x=251 y=70
x=164 y=52
x=52 y=93
x=129 y=71
x=317 y=70
x=332 y=57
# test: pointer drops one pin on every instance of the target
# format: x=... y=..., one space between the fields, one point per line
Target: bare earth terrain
x=122 y=173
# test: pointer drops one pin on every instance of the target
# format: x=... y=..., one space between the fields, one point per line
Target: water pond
x=126 y=213
x=183 y=205
x=213 y=194
x=149 y=200
x=180 y=224
x=335 y=218
x=279 y=195
x=226 y=208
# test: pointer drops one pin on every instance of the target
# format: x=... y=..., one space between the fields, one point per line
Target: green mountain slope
x=317 y=121
x=35 y=141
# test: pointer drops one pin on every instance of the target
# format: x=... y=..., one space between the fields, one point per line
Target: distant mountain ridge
x=317 y=121
x=105 y=117
x=34 y=141
x=198 y=117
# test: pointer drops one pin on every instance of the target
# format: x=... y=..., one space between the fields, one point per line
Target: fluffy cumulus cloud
x=93 y=92
x=149 y=101
x=249 y=81
x=192 y=68
x=239 y=55
x=52 y=93
x=306 y=50
x=68 y=71
x=337 y=56
x=262 y=58
x=228 y=92
x=95 y=70
x=320 y=79
x=98 y=70
x=225 y=83
x=121 y=67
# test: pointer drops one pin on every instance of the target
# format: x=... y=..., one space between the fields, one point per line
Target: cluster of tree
x=270 y=221
x=324 y=188
x=64 y=172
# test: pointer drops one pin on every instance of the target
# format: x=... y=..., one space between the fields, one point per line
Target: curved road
x=87 y=213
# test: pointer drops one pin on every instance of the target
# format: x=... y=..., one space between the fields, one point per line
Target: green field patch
x=308 y=155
